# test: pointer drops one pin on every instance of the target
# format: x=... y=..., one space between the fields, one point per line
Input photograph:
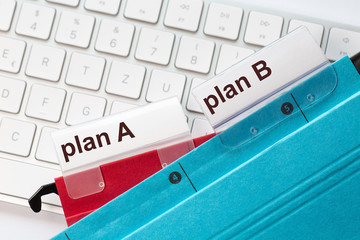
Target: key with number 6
x=115 y=37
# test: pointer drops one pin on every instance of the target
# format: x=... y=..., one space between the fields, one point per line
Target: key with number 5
x=75 y=29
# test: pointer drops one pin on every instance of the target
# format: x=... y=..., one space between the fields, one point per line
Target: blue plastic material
x=298 y=180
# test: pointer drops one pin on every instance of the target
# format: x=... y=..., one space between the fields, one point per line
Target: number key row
x=156 y=46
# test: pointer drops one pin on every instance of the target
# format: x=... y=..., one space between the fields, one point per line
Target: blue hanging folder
x=296 y=176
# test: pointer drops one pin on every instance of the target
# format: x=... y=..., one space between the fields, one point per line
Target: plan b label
x=259 y=77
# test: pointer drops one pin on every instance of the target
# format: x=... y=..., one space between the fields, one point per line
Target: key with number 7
x=154 y=46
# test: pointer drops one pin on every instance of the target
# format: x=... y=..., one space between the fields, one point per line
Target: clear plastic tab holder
x=160 y=126
x=277 y=110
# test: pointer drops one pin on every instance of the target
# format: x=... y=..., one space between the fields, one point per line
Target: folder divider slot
x=294 y=101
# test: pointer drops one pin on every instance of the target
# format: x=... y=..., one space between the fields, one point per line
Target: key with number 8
x=195 y=54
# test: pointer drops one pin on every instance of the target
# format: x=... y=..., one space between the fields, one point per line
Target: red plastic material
x=119 y=176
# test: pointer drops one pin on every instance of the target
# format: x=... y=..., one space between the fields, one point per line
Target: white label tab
x=259 y=77
x=120 y=135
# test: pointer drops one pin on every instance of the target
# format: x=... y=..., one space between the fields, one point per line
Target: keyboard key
x=316 y=30
x=125 y=79
x=229 y=55
x=118 y=107
x=11 y=54
x=75 y=29
x=16 y=137
x=85 y=71
x=45 y=62
x=11 y=94
x=195 y=54
x=154 y=46
x=45 y=103
x=164 y=85
x=341 y=43
x=184 y=14
x=201 y=127
x=143 y=10
x=71 y=3
x=35 y=21
x=26 y=179
x=192 y=104
x=115 y=37
x=7 y=8
x=104 y=6
x=263 y=28
x=223 y=21
x=45 y=150
x=84 y=108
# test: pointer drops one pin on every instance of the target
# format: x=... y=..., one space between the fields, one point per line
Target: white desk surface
x=19 y=222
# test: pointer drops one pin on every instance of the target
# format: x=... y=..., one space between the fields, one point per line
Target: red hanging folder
x=119 y=176
x=104 y=158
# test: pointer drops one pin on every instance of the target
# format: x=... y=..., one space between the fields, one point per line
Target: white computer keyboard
x=64 y=62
